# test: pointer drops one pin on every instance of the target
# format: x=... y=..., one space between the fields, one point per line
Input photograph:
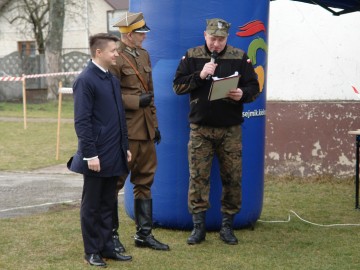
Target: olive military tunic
x=141 y=122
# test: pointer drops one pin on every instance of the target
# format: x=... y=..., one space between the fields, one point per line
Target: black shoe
x=113 y=255
x=197 y=235
x=118 y=246
x=150 y=242
x=227 y=235
x=94 y=259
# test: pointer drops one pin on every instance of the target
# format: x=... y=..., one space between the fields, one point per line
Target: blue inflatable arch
x=175 y=27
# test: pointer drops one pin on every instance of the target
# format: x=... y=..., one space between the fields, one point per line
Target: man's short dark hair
x=99 y=41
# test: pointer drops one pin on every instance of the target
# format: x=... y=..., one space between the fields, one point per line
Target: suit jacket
x=99 y=123
x=141 y=122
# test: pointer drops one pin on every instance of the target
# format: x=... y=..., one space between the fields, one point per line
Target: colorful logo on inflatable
x=250 y=29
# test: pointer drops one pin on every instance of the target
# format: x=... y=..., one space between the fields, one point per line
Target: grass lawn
x=35 y=147
x=52 y=240
x=40 y=110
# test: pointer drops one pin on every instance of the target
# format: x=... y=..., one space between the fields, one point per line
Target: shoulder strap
x=136 y=71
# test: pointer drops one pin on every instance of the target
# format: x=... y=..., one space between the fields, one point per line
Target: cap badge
x=220 y=25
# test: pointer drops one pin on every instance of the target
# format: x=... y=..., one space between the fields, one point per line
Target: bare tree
x=44 y=21
x=53 y=44
x=31 y=18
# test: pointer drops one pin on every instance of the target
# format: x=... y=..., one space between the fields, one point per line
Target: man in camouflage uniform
x=215 y=125
x=133 y=68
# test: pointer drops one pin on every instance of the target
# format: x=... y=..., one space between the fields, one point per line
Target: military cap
x=132 y=22
x=217 y=27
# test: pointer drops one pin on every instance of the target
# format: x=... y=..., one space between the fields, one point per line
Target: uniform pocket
x=129 y=71
x=233 y=147
x=147 y=69
x=233 y=142
x=196 y=143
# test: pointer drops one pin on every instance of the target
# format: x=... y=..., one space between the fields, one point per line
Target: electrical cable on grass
x=306 y=221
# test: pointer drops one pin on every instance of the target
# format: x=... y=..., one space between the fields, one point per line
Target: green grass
x=35 y=147
x=41 y=110
x=53 y=240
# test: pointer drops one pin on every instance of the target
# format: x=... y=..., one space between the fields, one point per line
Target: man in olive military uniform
x=133 y=68
x=215 y=125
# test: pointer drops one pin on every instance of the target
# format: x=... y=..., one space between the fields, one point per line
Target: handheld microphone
x=214 y=55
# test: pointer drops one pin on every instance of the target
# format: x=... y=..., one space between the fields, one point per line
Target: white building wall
x=313 y=55
x=92 y=20
x=9 y=36
x=78 y=25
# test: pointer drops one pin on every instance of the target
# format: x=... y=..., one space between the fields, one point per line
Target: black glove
x=145 y=99
x=157 y=138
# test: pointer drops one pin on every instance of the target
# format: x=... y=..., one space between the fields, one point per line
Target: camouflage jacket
x=222 y=112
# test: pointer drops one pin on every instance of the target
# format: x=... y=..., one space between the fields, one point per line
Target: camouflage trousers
x=204 y=144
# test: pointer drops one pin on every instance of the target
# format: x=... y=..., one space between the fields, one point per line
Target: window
x=27 y=48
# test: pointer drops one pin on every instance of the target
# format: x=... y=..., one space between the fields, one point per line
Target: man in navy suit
x=102 y=153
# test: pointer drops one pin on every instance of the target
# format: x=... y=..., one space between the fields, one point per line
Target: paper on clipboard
x=220 y=87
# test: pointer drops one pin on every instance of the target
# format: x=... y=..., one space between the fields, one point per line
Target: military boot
x=226 y=231
x=199 y=231
x=143 y=220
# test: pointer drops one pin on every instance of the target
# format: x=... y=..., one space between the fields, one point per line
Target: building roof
x=118 y=4
x=345 y=6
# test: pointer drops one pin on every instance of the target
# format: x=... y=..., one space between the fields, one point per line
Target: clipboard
x=220 y=87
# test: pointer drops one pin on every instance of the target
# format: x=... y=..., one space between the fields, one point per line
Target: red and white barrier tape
x=10 y=79
x=31 y=76
x=50 y=74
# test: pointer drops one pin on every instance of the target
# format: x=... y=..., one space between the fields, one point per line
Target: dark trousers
x=98 y=198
